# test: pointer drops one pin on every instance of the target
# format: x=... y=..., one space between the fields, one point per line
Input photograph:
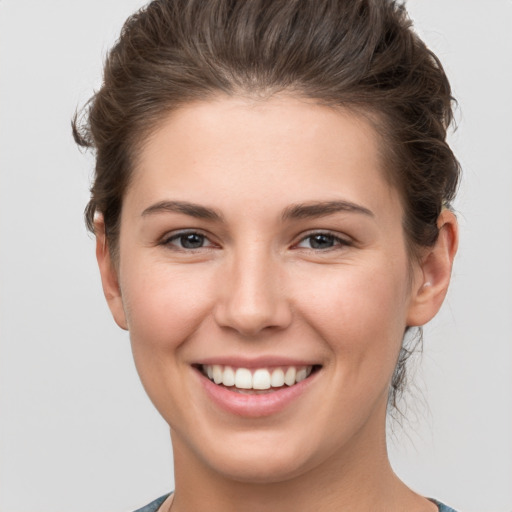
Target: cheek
x=359 y=311
x=165 y=307
x=165 y=304
x=359 y=317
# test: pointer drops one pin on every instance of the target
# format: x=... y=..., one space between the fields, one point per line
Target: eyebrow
x=322 y=209
x=296 y=211
x=191 y=209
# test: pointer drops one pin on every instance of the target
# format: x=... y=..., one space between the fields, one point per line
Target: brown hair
x=356 y=54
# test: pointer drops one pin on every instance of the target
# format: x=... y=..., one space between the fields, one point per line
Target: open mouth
x=257 y=380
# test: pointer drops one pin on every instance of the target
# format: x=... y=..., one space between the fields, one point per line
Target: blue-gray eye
x=188 y=240
x=192 y=241
x=320 y=241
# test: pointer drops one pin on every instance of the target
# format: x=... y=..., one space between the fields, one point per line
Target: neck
x=355 y=478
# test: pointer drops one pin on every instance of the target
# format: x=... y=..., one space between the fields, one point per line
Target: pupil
x=322 y=241
x=192 y=241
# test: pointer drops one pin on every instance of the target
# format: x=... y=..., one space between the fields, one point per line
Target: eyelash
x=336 y=241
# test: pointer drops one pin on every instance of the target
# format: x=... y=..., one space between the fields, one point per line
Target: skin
x=257 y=287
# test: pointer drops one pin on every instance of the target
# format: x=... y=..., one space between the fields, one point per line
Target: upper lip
x=256 y=362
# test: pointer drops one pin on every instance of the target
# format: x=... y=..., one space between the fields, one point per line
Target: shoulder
x=442 y=507
x=154 y=505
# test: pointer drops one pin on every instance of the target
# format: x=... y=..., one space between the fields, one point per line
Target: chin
x=268 y=470
x=261 y=461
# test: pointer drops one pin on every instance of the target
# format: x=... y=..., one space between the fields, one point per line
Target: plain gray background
x=76 y=430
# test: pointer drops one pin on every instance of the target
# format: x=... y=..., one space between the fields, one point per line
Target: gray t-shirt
x=155 y=505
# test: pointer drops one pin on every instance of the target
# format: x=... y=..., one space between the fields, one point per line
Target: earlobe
x=435 y=272
x=109 y=277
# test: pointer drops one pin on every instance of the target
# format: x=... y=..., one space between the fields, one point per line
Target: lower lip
x=254 y=406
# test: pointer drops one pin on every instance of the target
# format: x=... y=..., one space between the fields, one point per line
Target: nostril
x=250 y=319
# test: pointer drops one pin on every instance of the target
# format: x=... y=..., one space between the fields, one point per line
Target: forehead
x=285 y=148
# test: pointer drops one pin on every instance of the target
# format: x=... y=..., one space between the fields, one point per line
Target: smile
x=256 y=389
x=257 y=380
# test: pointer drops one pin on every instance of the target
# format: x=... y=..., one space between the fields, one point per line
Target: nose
x=252 y=295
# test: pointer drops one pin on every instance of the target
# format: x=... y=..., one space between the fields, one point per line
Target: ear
x=434 y=274
x=109 y=278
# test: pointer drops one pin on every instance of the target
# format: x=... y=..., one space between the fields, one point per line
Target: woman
x=271 y=209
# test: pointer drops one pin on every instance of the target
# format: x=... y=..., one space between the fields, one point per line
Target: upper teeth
x=260 y=378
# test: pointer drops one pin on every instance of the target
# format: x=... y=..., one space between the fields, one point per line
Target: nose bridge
x=253 y=296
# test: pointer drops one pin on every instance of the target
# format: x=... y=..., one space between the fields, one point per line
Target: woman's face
x=259 y=239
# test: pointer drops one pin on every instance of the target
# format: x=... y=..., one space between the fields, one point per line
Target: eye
x=188 y=240
x=319 y=241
